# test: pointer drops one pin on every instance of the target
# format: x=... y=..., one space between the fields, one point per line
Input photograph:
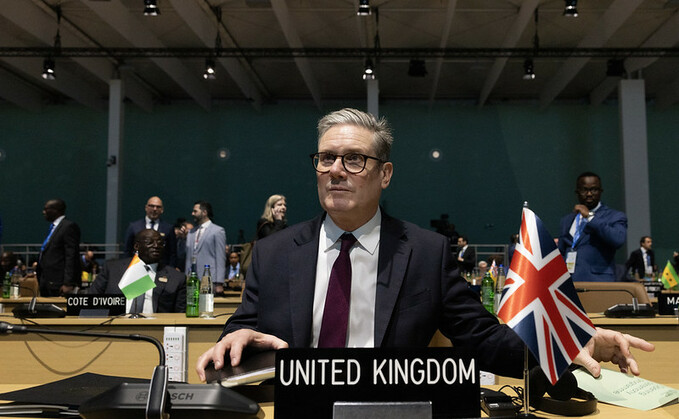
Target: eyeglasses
x=586 y=190
x=353 y=163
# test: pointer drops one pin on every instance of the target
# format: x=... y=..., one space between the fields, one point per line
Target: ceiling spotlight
x=528 y=71
x=417 y=68
x=369 y=72
x=364 y=8
x=151 y=8
x=571 y=9
x=48 y=69
x=615 y=68
x=209 y=69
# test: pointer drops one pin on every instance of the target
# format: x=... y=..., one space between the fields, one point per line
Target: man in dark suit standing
x=169 y=294
x=642 y=260
x=377 y=281
x=591 y=233
x=59 y=261
x=466 y=256
x=154 y=209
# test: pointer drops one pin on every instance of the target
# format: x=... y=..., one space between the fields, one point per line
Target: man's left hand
x=610 y=346
x=66 y=289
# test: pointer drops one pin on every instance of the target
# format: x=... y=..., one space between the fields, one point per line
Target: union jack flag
x=539 y=301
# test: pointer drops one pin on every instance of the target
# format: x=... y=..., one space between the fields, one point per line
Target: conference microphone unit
x=158 y=399
x=624 y=310
x=33 y=310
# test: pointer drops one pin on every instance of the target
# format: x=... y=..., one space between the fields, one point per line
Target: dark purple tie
x=336 y=312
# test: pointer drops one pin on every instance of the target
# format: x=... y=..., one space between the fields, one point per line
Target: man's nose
x=337 y=167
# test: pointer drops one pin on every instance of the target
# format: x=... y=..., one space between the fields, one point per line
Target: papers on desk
x=626 y=390
x=33 y=410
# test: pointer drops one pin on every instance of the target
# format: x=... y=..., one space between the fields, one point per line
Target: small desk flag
x=136 y=279
x=539 y=301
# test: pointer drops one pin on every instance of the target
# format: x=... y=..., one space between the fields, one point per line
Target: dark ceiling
x=274 y=50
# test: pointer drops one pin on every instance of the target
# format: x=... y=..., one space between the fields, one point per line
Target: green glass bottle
x=6 y=283
x=488 y=293
x=192 y=291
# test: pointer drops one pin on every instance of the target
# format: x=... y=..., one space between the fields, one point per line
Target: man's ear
x=136 y=246
x=387 y=171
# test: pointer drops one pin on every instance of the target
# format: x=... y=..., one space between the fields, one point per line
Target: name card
x=95 y=305
x=309 y=381
x=668 y=301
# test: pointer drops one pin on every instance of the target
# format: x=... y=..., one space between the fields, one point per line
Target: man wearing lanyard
x=592 y=233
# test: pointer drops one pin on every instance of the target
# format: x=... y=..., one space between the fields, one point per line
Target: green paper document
x=626 y=390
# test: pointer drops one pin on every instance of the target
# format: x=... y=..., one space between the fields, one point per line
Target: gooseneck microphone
x=157 y=400
x=624 y=310
x=156 y=404
x=32 y=309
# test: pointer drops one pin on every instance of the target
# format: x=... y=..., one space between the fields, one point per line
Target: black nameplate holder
x=95 y=305
x=309 y=382
x=668 y=302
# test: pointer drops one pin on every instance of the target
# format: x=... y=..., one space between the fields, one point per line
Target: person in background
x=591 y=233
x=181 y=230
x=234 y=276
x=8 y=261
x=207 y=242
x=154 y=209
x=355 y=277
x=58 y=268
x=466 y=256
x=642 y=260
x=169 y=294
x=273 y=217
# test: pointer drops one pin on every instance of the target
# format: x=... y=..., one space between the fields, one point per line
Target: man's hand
x=66 y=289
x=233 y=344
x=583 y=210
x=608 y=345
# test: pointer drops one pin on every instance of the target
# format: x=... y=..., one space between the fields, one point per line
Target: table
x=231 y=299
x=38 y=359
x=604 y=411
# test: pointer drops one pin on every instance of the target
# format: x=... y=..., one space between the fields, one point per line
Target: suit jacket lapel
x=302 y=270
x=393 y=260
x=160 y=286
x=54 y=234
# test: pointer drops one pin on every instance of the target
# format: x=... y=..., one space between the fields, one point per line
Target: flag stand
x=526 y=414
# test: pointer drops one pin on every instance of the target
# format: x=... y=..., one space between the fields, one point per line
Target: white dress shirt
x=364 y=256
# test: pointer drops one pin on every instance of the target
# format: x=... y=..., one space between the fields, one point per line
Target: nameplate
x=310 y=381
x=114 y=304
x=668 y=301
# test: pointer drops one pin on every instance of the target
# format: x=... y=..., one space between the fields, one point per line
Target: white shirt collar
x=367 y=235
x=58 y=220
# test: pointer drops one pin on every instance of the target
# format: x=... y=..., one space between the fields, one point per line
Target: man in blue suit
x=592 y=233
x=403 y=284
x=154 y=209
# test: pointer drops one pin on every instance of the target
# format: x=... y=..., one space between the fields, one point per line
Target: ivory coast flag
x=669 y=276
x=136 y=279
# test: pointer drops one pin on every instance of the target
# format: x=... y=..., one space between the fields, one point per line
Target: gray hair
x=382 y=138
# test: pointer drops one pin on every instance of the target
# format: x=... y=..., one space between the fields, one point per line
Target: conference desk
x=604 y=411
x=230 y=300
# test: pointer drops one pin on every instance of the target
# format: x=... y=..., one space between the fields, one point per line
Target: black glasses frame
x=315 y=159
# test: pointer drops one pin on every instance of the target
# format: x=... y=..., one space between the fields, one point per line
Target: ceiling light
x=571 y=9
x=369 y=72
x=48 y=69
x=528 y=71
x=364 y=8
x=209 y=69
x=417 y=68
x=615 y=68
x=151 y=8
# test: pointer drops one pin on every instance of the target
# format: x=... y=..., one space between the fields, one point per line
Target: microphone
x=33 y=310
x=158 y=399
x=624 y=310
x=156 y=406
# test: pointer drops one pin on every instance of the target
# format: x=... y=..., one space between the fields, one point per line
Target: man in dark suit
x=642 y=260
x=169 y=294
x=466 y=256
x=591 y=233
x=154 y=209
x=403 y=284
x=59 y=260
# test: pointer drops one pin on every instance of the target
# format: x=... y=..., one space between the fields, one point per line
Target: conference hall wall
x=491 y=160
